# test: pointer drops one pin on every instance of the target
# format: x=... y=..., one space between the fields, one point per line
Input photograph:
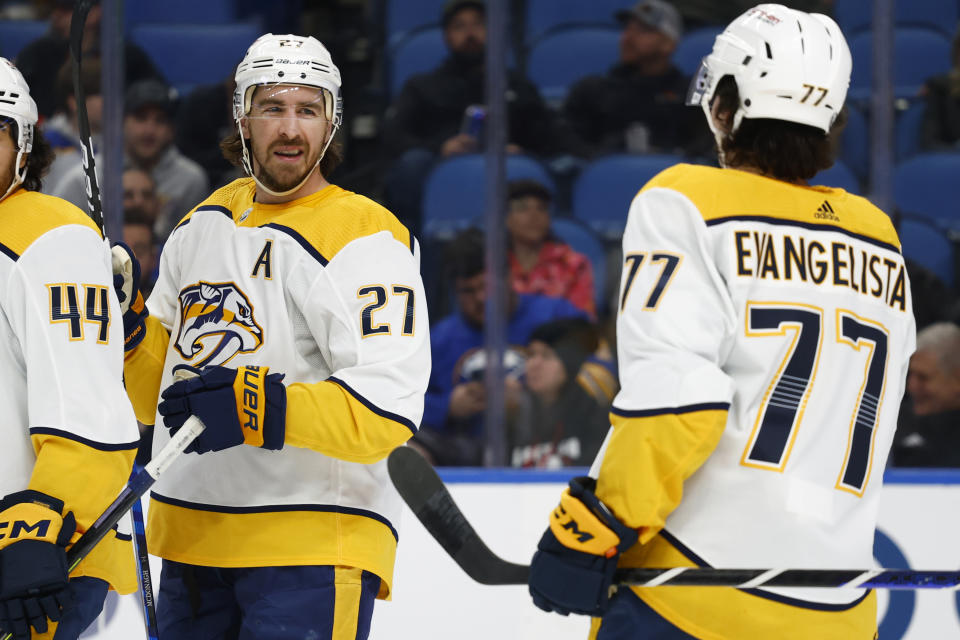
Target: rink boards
x=919 y=528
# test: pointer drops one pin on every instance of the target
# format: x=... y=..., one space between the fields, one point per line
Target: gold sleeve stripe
x=143 y=368
x=332 y=419
x=373 y=408
x=93 y=444
x=665 y=411
x=87 y=476
x=649 y=456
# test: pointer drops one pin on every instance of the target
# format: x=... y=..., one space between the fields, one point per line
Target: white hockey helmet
x=16 y=104
x=788 y=65
x=288 y=59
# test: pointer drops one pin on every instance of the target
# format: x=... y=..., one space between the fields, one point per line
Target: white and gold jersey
x=67 y=426
x=764 y=334
x=326 y=290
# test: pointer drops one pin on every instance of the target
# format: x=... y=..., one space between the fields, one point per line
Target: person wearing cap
x=637 y=106
x=429 y=119
x=762 y=367
x=561 y=416
x=68 y=430
x=289 y=317
x=148 y=129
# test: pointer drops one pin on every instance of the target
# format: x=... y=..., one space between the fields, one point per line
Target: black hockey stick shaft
x=131 y=493
x=426 y=495
x=79 y=19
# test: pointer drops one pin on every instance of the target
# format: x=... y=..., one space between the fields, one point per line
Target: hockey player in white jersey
x=68 y=431
x=764 y=332
x=300 y=307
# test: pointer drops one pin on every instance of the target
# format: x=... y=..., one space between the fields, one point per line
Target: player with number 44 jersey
x=764 y=330
x=296 y=310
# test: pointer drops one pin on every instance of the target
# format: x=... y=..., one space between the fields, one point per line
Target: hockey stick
x=79 y=19
x=80 y=11
x=424 y=492
x=131 y=494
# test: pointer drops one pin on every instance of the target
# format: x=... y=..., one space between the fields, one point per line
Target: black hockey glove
x=126 y=283
x=33 y=562
x=238 y=406
x=572 y=570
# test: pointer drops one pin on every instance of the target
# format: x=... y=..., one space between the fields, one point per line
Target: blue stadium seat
x=692 y=48
x=924 y=242
x=856 y=15
x=16 y=34
x=562 y=57
x=582 y=239
x=918 y=54
x=855 y=143
x=403 y=17
x=180 y=11
x=454 y=196
x=421 y=51
x=189 y=55
x=604 y=190
x=907 y=130
x=926 y=185
x=545 y=15
x=838 y=176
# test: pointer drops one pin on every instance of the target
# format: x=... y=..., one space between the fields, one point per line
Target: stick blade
x=424 y=492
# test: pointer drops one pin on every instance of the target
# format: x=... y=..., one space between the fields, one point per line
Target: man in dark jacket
x=440 y=113
x=638 y=106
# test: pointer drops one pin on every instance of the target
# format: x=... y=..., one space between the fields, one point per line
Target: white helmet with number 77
x=287 y=60
x=787 y=64
x=17 y=105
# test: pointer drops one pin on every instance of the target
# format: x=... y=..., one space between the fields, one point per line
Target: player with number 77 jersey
x=763 y=332
x=297 y=309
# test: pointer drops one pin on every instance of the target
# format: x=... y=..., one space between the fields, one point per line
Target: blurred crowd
x=562 y=276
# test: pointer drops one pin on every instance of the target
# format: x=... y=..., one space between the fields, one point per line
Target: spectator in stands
x=138 y=235
x=205 y=117
x=539 y=261
x=430 y=117
x=140 y=193
x=451 y=431
x=638 y=106
x=148 y=142
x=941 y=118
x=41 y=60
x=929 y=430
x=61 y=130
x=561 y=419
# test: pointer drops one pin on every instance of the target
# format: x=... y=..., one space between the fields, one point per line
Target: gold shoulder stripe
x=27 y=215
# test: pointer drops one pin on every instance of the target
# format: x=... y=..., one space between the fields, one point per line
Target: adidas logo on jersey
x=826 y=212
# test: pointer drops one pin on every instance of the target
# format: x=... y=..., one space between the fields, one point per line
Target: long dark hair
x=38 y=160
x=784 y=150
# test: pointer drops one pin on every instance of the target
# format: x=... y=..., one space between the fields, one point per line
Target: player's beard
x=280 y=182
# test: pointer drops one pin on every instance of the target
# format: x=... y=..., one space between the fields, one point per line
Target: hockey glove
x=126 y=283
x=238 y=406
x=572 y=570
x=33 y=561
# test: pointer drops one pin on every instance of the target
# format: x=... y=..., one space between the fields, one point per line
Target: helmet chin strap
x=18 y=177
x=248 y=166
x=717 y=134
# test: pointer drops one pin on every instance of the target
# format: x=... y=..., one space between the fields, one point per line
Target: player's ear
x=245 y=127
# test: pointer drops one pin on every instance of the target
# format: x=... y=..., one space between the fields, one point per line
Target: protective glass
x=701 y=85
x=286 y=101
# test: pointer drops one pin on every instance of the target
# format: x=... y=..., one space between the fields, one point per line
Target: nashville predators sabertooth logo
x=216 y=323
